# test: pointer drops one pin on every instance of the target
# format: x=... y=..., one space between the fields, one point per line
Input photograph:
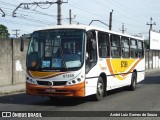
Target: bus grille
x=56 y=83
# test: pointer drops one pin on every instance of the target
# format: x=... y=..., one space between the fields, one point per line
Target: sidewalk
x=151 y=71
x=21 y=87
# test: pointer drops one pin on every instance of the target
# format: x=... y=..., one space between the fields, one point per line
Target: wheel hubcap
x=134 y=82
x=100 y=88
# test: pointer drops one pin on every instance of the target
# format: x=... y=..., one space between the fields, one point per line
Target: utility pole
x=16 y=32
x=59 y=15
x=3 y=14
x=123 y=30
x=151 y=24
x=70 y=16
x=38 y=4
x=110 y=20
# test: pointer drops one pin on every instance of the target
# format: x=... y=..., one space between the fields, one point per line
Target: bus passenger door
x=91 y=68
x=91 y=51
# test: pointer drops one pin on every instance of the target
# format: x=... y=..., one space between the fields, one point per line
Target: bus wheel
x=133 y=81
x=100 y=90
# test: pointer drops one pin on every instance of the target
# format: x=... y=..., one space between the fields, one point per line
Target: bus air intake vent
x=52 y=83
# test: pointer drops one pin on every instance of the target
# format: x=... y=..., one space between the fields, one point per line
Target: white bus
x=79 y=61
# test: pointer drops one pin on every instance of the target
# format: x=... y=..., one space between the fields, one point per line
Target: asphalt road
x=145 y=98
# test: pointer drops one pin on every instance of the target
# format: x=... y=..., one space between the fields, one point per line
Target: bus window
x=91 y=52
x=115 y=46
x=103 y=45
x=140 y=49
x=125 y=47
x=133 y=48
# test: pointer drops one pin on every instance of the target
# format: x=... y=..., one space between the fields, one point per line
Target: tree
x=3 y=31
x=146 y=44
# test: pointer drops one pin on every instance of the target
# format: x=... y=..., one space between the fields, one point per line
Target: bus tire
x=133 y=82
x=100 y=90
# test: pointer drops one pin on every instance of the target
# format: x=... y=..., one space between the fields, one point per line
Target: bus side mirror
x=21 y=44
x=87 y=56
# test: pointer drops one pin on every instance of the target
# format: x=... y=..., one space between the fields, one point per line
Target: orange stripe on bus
x=121 y=76
x=44 y=75
x=77 y=90
x=132 y=68
x=109 y=66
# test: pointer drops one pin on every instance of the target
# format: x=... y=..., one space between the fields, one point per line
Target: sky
x=133 y=13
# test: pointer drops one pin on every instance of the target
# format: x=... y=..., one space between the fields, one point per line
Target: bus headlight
x=79 y=79
x=75 y=81
x=30 y=80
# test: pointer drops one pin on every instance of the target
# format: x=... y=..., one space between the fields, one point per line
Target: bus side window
x=125 y=47
x=103 y=45
x=133 y=48
x=91 y=50
x=115 y=46
x=140 y=49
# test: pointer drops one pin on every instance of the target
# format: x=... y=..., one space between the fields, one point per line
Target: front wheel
x=100 y=90
x=133 y=81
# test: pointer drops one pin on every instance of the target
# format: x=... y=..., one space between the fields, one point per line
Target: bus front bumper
x=77 y=90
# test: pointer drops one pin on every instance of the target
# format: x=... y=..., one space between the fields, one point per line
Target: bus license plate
x=50 y=90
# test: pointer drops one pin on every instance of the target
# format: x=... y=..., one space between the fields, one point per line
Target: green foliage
x=146 y=44
x=3 y=31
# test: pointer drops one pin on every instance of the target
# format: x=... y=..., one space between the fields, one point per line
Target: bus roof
x=85 y=27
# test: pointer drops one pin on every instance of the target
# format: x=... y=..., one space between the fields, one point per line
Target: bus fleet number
x=124 y=64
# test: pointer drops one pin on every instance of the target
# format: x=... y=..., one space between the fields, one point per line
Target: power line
x=34 y=11
x=8 y=4
x=18 y=23
x=38 y=12
x=90 y=11
x=101 y=4
x=25 y=17
x=29 y=5
x=85 y=10
x=35 y=20
x=130 y=12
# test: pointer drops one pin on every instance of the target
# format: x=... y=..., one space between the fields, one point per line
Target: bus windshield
x=56 y=49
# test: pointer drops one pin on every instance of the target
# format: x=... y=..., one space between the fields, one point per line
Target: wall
x=19 y=61
x=152 y=59
x=12 y=62
x=5 y=62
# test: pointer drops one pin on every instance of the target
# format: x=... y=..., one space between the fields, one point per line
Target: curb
x=151 y=71
x=12 y=89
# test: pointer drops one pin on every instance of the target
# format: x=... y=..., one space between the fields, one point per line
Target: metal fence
x=152 y=59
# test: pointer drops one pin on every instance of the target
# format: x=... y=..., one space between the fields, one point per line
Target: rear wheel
x=133 y=82
x=100 y=90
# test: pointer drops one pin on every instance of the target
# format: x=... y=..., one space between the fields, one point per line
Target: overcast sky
x=133 y=13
